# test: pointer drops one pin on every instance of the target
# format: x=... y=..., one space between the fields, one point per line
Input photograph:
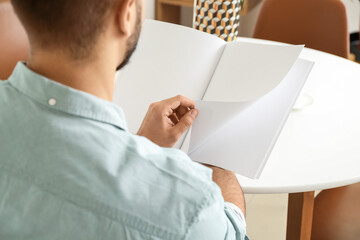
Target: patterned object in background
x=218 y=17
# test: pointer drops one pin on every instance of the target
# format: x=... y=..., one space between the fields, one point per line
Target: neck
x=95 y=76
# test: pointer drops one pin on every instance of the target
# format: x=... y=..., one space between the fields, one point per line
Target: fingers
x=178 y=101
x=174 y=119
x=181 y=111
x=185 y=122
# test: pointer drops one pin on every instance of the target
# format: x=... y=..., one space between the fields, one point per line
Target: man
x=69 y=167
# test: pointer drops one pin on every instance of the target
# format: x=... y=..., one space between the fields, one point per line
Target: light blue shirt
x=69 y=169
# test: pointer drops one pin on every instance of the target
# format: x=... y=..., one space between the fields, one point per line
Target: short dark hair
x=73 y=25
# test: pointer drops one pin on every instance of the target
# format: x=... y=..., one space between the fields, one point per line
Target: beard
x=133 y=40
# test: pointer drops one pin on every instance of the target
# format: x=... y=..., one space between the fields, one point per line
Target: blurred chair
x=337 y=214
x=319 y=24
x=14 y=44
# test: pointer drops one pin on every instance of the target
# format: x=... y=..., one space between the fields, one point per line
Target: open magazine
x=244 y=91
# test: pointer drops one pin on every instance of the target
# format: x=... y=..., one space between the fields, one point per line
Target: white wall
x=150 y=9
x=353 y=13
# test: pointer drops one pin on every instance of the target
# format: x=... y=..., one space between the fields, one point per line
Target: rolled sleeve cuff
x=237 y=218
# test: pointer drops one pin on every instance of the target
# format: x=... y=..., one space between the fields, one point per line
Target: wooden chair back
x=319 y=24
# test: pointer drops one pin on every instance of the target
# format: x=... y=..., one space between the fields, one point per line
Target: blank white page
x=247 y=71
x=244 y=144
x=169 y=60
x=212 y=117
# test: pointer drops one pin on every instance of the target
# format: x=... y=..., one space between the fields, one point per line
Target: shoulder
x=6 y=90
x=170 y=162
x=174 y=189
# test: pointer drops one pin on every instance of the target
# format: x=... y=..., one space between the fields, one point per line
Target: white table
x=319 y=147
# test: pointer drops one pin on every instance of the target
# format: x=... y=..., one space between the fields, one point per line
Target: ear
x=126 y=16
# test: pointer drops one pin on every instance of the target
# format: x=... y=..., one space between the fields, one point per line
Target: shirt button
x=52 y=101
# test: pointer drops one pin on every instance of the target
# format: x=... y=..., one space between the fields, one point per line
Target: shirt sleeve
x=218 y=221
x=236 y=216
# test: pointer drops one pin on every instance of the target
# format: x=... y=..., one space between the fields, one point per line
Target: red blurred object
x=14 y=44
x=320 y=24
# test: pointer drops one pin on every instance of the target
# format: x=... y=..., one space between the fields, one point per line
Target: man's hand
x=166 y=121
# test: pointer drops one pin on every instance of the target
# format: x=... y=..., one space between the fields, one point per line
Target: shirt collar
x=60 y=97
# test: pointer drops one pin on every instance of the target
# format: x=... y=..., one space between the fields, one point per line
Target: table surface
x=319 y=146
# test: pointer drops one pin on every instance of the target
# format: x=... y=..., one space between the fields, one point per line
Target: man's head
x=78 y=27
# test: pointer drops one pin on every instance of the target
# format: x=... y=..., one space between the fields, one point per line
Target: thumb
x=186 y=121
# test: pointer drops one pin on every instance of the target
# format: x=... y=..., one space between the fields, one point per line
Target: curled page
x=245 y=73
x=212 y=116
x=244 y=143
